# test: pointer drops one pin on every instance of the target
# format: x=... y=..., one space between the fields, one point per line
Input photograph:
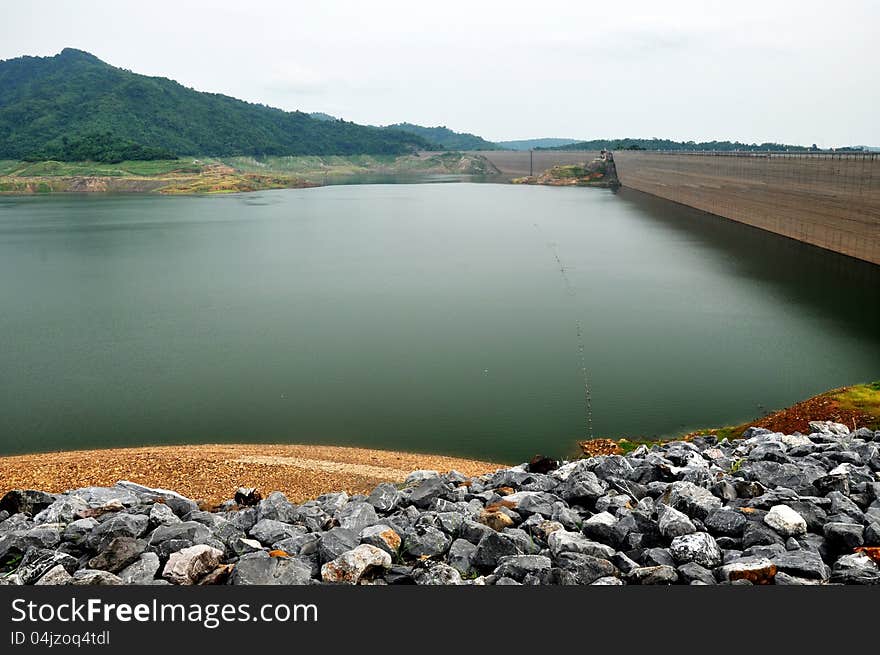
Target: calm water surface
x=417 y=317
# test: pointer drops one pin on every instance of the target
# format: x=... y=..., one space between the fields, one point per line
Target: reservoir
x=421 y=317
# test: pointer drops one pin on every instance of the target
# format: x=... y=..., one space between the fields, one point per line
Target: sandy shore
x=212 y=472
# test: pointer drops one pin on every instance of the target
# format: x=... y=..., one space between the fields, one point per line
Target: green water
x=418 y=317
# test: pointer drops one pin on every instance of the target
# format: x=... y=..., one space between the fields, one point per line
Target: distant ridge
x=530 y=144
x=46 y=102
x=444 y=137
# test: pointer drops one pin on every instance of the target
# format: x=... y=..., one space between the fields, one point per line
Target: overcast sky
x=796 y=72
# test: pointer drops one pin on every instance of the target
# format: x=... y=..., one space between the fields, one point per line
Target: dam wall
x=830 y=200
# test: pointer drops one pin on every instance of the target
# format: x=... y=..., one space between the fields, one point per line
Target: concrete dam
x=830 y=200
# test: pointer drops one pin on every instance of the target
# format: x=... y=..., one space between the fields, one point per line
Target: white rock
x=186 y=566
x=564 y=471
x=57 y=575
x=607 y=581
x=829 y=427
x=699 y=547
x=794 y=440
x=562 y=541
x=786 y=521
x=353 y=564
x=602 y=518
x=420 y=475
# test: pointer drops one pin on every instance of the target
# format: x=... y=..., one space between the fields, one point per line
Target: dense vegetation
x=98 y=147
x=78 y=96
x=667 y=144
x=444 y=137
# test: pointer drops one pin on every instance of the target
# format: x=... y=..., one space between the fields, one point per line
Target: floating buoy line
x=581 y=342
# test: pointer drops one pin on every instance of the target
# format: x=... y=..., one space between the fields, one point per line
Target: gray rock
x=758 y=534
x=427 y=491
x=425 y=541
x=89 y=577
x=562 y=541
x=692 y=572
x=36 y=562
x=276 y=507
x=261 y=569
x=270 y=531
x=460 y=556
x=334 y=542
x=726 y=522
x=856 y=568
x=519 y=566
x=802 y=563
x=356 y=516
x=580 y=569
x=673 y=523
x=844 y=536
x=118 y=525
x=25 y=501
x=533 y=502
x=118 y=554
x=185 y=530
x=437 y=573
x=64 y=510
x=600 y=526
x=180 y=505
x=654 y=575
x=385 y=497
x=304 y=544
x=142 y=571
x=491 y=548
x=581 y=485
x=161 y=514
x=381 y=536
x=694 y=501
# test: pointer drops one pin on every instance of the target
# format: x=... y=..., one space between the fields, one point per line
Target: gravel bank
x=211 y=473
x=769 y=508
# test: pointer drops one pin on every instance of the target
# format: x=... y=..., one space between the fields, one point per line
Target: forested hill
x=49 y=103
x=445 y=137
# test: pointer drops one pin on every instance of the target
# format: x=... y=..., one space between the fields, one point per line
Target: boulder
x=786 y=521
x=352 y=565
x=186 y=566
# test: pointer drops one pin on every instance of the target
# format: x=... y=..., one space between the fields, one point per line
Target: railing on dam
x=828 y=199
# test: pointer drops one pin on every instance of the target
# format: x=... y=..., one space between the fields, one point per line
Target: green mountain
x=444 y=137
x=666 y=144
x=74 y=102
x=530 y=144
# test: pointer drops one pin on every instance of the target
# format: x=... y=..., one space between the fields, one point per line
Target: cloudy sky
x=796 y=72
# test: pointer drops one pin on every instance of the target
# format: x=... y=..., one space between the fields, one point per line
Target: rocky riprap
x=768 y=508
